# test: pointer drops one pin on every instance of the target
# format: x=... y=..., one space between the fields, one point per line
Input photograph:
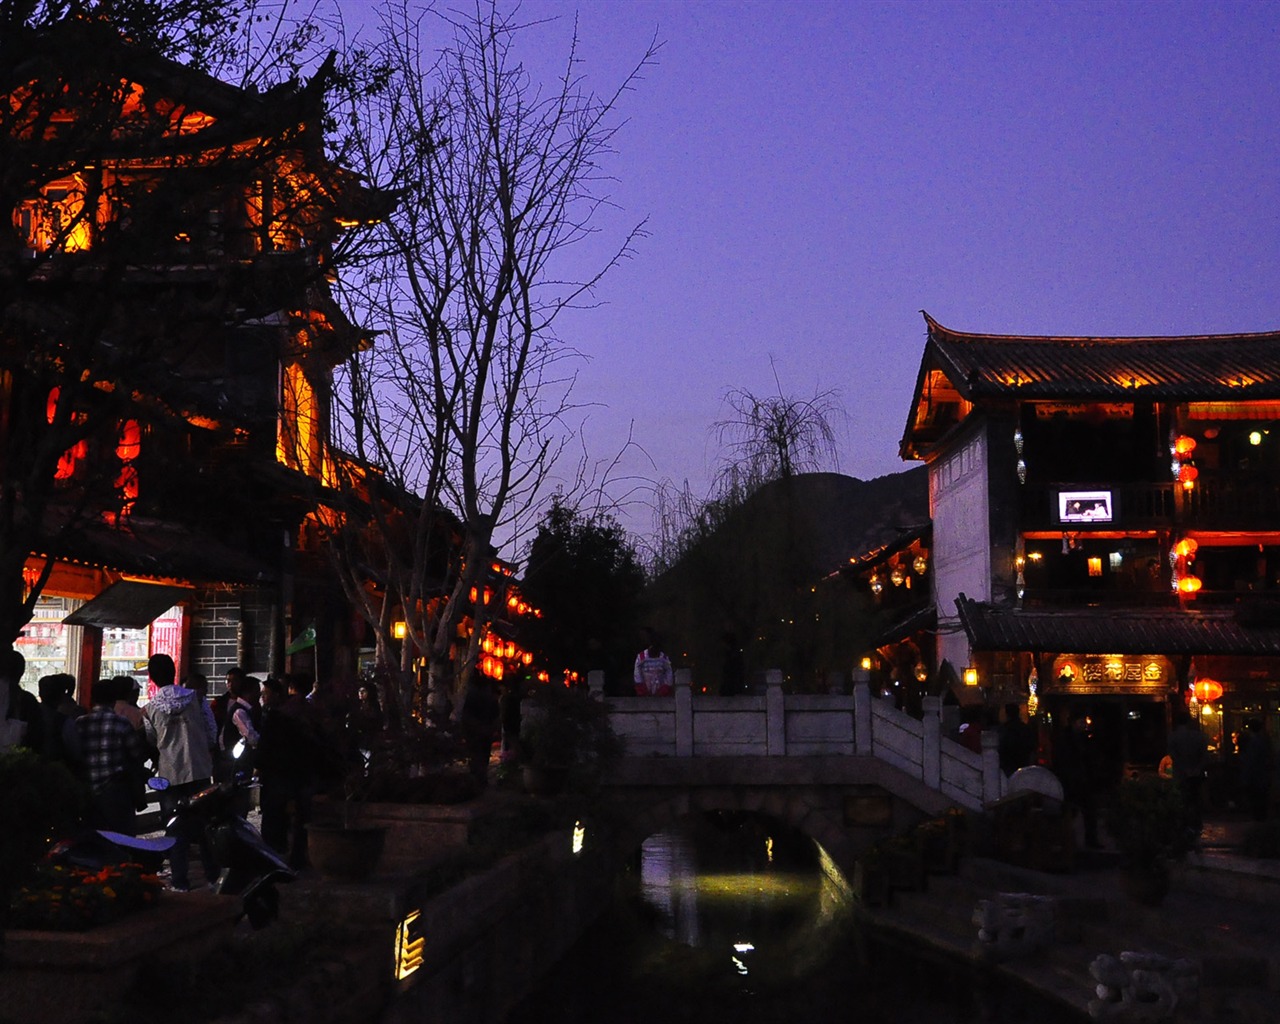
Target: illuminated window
x=1095 y=566
x=298 y=443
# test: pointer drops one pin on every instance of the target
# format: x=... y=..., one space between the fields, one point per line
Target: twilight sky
x=816 y=173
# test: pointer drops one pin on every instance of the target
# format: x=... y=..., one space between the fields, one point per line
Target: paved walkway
x=1222 y=914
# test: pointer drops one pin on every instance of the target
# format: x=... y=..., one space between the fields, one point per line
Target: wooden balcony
x=1138 y=506
x=1232 y=503
x=1217 y=502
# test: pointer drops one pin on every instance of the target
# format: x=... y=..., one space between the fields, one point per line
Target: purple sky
x=814 y=174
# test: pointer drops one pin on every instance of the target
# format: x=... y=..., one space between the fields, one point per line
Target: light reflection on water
x=754 y=914
x=708 y=928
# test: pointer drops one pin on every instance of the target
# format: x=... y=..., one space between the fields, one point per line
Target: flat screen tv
x=1086 y=507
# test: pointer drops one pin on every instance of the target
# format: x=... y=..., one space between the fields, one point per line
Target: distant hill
x=752 y=578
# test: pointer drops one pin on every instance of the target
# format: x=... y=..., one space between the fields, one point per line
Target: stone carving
x=1142 y=988
x=1012 y=925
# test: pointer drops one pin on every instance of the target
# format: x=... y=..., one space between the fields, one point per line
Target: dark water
x=729 y=922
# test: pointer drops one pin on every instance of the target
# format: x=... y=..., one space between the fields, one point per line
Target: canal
x=733 y=918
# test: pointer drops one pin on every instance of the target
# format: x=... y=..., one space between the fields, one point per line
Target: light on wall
x=400 y=629
x=970 y=676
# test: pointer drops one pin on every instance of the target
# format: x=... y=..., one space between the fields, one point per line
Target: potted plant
x=567 y=741
x=385 y=811
x=1150 y=824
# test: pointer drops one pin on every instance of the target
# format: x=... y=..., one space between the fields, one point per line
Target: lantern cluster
x=1181 y=556
x=898 y=573
x=499 y=654
x=1182 y=448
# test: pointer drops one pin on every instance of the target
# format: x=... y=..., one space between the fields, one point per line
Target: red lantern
x=1207 y=690
x=1189 y=584
x=1187 y=474
x=1184 y=446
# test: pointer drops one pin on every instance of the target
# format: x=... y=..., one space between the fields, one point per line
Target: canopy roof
x=959 y=370
x=1115 y=631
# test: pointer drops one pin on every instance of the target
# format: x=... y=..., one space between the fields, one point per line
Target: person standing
x=21 y=724
x=238 y=739
x=1189 y=752
x=127 y=693
x=1078 y=766
x=1017 y=741
x=1256 y=768
x=287 y=770
x=112 y=753
x=653 y=675
x=480 y=715
x=175 y=726
x=60 y=740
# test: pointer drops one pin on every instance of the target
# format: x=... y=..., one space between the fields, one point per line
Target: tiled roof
x=1222 y=367
x=1114 y=631
x=914 y=622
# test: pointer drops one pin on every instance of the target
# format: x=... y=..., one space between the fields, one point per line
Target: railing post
x=684 y=712
x=595 y=683
x=990 y=766
x=861 y=712
x=775 y=714
x=931 y=755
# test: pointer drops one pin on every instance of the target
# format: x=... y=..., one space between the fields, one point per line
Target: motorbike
x=94 y=849
x=248 y=867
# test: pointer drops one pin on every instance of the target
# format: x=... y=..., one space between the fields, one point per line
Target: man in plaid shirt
x=112 y=752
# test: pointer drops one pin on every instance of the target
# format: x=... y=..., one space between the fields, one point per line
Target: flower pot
x=345 y=853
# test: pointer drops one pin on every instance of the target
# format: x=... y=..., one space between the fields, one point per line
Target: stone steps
x=1234 y=948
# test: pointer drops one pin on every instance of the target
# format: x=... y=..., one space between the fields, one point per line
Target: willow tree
x=460 y=405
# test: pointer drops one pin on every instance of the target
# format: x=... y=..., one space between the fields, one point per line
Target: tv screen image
x=1085 y=507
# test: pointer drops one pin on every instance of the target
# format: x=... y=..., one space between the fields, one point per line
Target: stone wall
x=231 y=628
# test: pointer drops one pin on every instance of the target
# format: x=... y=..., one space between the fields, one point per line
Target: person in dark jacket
x=1017 y=741
x=288 y=761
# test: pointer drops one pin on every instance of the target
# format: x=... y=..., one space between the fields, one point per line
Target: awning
x=129 y=604
x=1114 y=631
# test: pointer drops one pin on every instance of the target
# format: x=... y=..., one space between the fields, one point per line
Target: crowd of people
x=288 y=734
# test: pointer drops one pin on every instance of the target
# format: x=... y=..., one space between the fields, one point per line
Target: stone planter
x=67 y=977
x=345 y=853
x=417 y=835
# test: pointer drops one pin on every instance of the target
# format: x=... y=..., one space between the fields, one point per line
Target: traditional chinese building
x=166 y=355
x=1106 y=525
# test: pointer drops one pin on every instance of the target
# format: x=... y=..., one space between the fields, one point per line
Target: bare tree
x=461 y=404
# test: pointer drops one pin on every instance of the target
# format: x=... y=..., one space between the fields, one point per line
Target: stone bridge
x=845 y=770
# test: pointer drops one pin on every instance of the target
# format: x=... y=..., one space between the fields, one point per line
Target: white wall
x=961 y=540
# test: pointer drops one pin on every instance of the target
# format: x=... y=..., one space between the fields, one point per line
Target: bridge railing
x=779 y=724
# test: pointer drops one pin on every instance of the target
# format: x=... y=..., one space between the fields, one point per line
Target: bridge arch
x=844 y=804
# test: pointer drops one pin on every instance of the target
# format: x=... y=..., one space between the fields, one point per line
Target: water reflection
x=754 y=900
x=738 y=920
